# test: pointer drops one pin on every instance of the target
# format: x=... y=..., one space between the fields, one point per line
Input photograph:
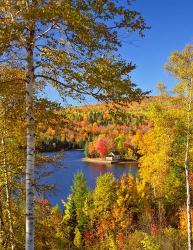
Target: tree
x=101 y=147
x=70 y=45
x=12 y=153
x=104 y=197
x=161 y=163
x=79 y=194
x=49 y=233
x=120 y=143
x=86 y=153
x=162 y=89
x=11 y=157
x=160 y=147
x=74 y=216
x=104 y=194
x=181 y=66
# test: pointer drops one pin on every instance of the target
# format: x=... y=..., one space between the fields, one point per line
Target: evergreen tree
x=86 y=149
x=74 y=216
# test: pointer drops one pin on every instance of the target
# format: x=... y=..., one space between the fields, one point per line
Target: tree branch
x=44 y=33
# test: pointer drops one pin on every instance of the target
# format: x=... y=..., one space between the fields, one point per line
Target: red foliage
x=101 y=147
x=121 y=240
x=191 y=179
x=89 y=238
x=43 y=202
x=153 y=229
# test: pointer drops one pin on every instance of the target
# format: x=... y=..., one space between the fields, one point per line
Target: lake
x=70 y=164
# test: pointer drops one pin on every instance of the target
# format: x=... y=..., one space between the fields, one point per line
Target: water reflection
x=62 y=177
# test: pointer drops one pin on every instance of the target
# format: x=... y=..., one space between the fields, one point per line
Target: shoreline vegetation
x=97 y=160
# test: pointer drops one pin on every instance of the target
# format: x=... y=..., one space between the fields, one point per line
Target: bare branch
x=44 y=33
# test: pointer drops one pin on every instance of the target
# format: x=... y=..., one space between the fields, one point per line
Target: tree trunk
x=8 y=202
x=30 y=144
x=1 y=226
x=7 y=190
x=188 y=207
x=186 y=165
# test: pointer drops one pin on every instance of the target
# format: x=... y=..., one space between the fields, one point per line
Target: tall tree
x=162 y=89
x=74 y=216
x=181 y=66
x=11 y=134
x=101 y=147
x=162 y=153
x=71 y=45
x=104 y=194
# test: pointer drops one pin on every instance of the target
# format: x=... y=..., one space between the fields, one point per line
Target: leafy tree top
x=73 y=43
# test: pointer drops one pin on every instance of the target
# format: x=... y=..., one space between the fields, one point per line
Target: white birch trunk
x=29 y=245
x=188 y=202
x=186 y=165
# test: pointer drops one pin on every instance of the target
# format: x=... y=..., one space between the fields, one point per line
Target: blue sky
x=171 y=24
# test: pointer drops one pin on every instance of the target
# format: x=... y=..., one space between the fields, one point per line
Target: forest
x=74 y=47
x=89 y=127
x=148 y=212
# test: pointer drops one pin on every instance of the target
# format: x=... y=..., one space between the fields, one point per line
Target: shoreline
x=61 y=149
x=100 y=160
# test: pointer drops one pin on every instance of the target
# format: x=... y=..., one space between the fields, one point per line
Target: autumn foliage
x=101 y=147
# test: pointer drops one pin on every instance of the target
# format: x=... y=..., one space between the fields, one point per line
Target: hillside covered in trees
x=80 y=49
x=89 y=127
x=101 y=128
x=144 y=213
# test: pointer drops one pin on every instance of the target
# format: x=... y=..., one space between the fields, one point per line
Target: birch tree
x=73 y=46
x=10 y=136
x=181 y=66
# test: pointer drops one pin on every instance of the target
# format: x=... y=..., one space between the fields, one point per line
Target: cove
x=70 y=163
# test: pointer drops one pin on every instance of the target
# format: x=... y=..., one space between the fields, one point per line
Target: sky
x=171 y=24
x=171 y=29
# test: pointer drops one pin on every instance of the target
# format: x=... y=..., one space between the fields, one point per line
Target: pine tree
x=74 y=215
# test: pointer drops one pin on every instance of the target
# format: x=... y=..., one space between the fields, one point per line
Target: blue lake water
x=70 y=164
